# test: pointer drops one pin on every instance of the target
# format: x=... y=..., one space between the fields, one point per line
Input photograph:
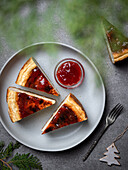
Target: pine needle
x=26 y=161
x=1 y=145
x=10 y=148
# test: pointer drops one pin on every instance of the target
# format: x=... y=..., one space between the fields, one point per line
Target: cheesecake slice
x=69 y=112
x=23 y=103
x=117 y=43
x=32 y=75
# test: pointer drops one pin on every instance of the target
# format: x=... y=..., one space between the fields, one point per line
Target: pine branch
x=22 y=161
x=1 y=149
x=9 y=150
x=26 y=162
x=1 y=145
x=5 y=165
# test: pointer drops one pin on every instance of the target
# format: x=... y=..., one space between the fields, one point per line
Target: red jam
x=38 y=81
x=65 y=116
x=29 y=104
x=69 y=73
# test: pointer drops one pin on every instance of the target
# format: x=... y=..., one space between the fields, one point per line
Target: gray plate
x=91 y=94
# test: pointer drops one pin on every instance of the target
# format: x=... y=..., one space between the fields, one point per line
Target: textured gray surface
x=116 y=83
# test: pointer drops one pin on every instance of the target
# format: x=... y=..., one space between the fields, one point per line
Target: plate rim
x=103 y=103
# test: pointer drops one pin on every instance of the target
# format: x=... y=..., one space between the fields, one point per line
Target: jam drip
x=29 y=104
x=38 y=81
x=65 y=116
x=69 y=73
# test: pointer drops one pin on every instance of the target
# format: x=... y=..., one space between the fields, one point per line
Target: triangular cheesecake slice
x=117 y=43
x=32 y=75
x=69 y=112
x=23 y=103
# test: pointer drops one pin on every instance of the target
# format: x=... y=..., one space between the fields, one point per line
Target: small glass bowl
x=68 y=86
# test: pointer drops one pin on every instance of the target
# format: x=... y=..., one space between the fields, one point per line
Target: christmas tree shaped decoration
x=110 y=155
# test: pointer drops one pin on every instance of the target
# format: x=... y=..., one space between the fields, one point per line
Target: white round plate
x=91 y=93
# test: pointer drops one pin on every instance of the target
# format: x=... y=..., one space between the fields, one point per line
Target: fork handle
x=95 y=143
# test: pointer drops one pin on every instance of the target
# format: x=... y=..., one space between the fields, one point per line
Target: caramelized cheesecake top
x=69 y=112
x=32 y=75
x=38 y=81
x=65 y=116
x=29 y=104
x=23 y=103
x=117 y=43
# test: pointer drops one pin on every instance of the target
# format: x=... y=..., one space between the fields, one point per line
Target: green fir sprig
x=21 y=161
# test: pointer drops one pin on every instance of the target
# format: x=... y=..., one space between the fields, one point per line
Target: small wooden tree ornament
x=110 y=157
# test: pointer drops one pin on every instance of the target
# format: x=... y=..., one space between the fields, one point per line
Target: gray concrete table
x=116 y=83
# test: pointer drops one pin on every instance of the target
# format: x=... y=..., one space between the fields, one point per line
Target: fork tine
x=117 y=113
x=114 y=110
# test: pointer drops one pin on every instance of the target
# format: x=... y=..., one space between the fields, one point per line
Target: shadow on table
x=122 y=64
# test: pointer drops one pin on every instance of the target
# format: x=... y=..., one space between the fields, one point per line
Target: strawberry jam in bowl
x=69 y=73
